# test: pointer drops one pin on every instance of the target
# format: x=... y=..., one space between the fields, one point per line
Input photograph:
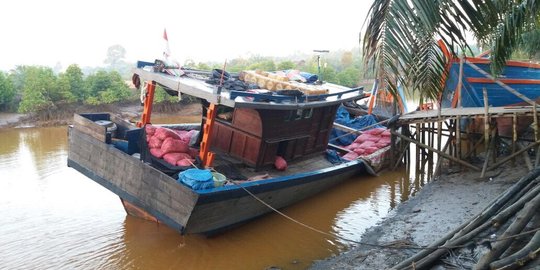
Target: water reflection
x=54 y=217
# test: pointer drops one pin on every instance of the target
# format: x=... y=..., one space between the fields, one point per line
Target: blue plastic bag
x=197 y=178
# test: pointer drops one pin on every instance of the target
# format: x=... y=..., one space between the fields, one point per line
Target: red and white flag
x=167 y=50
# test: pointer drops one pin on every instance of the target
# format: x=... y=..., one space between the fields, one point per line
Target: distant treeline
x=32 y=88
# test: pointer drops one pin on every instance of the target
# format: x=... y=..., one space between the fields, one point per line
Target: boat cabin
x=257 y=136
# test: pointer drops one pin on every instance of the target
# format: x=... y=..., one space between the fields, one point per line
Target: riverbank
x=63 y=115
x=442 y=205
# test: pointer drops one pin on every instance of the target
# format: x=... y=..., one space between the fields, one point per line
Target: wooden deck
x=450 y=113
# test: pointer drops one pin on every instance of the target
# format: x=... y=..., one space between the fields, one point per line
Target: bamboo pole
x=403 y=151
x=486 y=119
x=439 y=159
x=417 y=166
x=475 y=146
x=537 y=157
x=514 y=134
x=456 y=237
x=518 y=259
x=489 y=153
x=418 y=144
x=458 y=137
x=522 y=218
x=460 y=80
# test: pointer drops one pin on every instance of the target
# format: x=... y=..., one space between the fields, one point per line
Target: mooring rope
x=389 y=246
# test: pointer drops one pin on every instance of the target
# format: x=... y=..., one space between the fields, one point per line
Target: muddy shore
x=442 y=205
x=130 y=111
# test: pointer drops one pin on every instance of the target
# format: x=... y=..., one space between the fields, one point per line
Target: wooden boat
x=261 y=127
x=521 y=77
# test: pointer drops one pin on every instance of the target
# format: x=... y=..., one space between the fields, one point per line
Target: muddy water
x=52 y=217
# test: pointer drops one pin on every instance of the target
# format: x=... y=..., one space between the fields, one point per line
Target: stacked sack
x=171 y=145
x=369 y=142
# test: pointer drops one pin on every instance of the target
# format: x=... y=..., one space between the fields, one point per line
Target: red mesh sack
x=156 y=152
x=359 y=151
x=386 y=133
x=350 y=156
x=150 y=130
x=370 y=150
x=173 y=158
x=366 y=137
x=164 y=133
x=352 y=146
x=173 y=145
x=280 y=163
x=155 y=142
x=185 y=162
x=375 y=131
x=367 y=144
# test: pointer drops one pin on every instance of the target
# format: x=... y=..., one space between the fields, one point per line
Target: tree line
x=32 y=88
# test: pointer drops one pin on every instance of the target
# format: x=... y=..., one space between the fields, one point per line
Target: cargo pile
x=368 y=142
x=282 y=80
x=171 y=145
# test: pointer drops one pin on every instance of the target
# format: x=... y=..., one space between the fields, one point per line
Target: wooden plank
x=89 y=127
x=215 y=215
x=136 y=181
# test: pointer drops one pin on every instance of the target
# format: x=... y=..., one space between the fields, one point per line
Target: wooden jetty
x=457 y=135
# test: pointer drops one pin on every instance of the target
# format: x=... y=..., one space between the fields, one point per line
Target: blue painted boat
x=522 y=76
x=260 y=127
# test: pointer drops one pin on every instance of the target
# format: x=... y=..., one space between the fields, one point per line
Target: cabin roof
x=200 y=89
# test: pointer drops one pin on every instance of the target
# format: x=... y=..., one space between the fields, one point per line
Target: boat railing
x=258 y=97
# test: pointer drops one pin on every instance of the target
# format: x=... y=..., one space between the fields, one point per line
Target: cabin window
x=299 y=113
x=307 y=113
x=225 y=113
x=289 y=116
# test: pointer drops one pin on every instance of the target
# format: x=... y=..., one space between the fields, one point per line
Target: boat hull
x=150 y=194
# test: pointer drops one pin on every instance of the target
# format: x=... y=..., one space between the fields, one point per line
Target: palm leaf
x=400 y=41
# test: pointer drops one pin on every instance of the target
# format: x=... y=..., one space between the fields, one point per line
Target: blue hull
x=523 y=77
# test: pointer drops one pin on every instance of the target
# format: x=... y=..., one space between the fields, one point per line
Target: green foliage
x=285 y=65
x=266 y=64
x=7 y=91
x=348 y=77
x=106 y=87
x=72 y=84
x=160 y=96
x=530 y=44
x=401 y=37
x=40 y=90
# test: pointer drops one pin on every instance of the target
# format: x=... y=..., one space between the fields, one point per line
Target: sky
x=37 y=32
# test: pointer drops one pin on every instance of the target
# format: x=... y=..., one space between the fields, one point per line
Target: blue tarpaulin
x=344 y=118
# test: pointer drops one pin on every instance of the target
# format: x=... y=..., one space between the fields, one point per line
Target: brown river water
x=52 y=217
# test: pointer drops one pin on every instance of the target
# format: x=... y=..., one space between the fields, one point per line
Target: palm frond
x=400 y=41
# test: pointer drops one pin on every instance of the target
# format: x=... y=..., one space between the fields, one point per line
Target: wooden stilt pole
x=439 y=152
x=489 y=153
x=525 y=155
x=458 y=137
x=522 y=151
x=486 y=119
x=417 y=148
x=514 y=135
